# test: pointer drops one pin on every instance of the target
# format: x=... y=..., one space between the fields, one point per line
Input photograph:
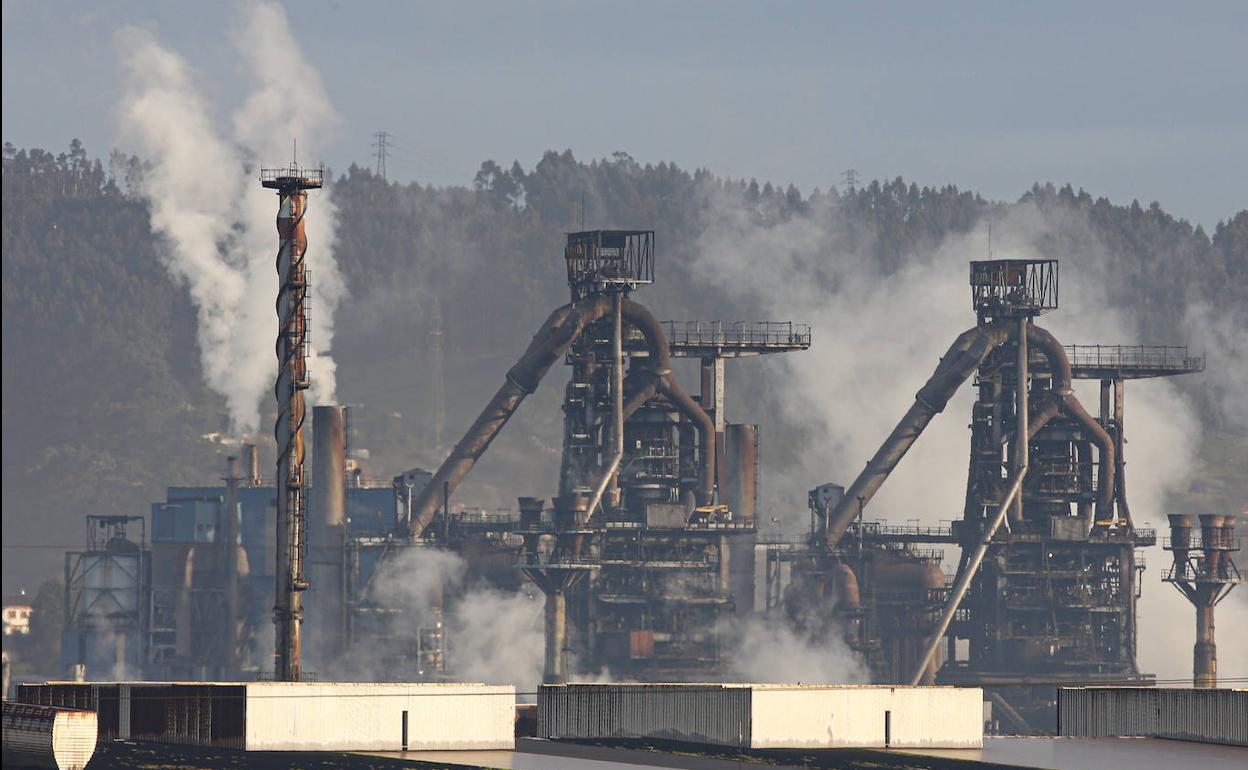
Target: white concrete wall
x=300 y=716
x=814 y=716
x=938 y=718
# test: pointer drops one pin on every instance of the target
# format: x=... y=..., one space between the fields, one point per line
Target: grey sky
x=1127 y=99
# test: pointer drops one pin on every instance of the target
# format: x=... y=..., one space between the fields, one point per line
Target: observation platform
x=1132 y=362
x=729 y=339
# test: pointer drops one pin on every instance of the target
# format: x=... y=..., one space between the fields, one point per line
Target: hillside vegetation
x=104 y=403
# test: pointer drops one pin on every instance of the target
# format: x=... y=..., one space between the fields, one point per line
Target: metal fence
x=1207 y=716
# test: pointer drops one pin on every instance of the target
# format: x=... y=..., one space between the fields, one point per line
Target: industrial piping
x=963 y=357
x=961 y=360
x=617 y=407
x=552 y=340
x=1021 y=442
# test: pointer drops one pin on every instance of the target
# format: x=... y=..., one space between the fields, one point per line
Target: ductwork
x=1059 y=367
x=964 y=356
x=552 y=340
x=961 y=360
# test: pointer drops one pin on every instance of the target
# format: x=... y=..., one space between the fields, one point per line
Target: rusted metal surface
x=48 y=737
x=609 y=258
x=738 y=484
x=959 y=362
x=292 y=185
x=1117 y=362
x=556 y=637
x=550 y=343
x=735 y=339
x=1204 y=571
x=251 y=461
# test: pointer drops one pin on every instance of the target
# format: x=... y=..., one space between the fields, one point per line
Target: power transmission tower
x=383 y=151
x=851 y=180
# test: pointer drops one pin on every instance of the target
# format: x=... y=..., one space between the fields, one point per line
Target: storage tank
x=43 y=736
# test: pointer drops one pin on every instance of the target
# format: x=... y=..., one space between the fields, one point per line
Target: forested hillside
x=104 y=403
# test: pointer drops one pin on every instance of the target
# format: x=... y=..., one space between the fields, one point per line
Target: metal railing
x=886 y=530
x=306 y=174
x=1187 y=572
x=1174 y=358
x=749 y=334
x=1197 y=543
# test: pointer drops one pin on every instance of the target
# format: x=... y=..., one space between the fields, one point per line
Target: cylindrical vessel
x=739 y=478
x=251 y=463
x=292 y=379
x=325 y=607
x=1205 y=652
x=556 y=636
x=1180 y=539
x=43 y=736
x=1210 y=541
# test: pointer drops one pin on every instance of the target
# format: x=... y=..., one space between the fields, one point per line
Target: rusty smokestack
x=251 y=462
x=739 y=477
x=1180 y=536
x=556 y=637
x=1211 y=525
x=292 y=185
x=1204 y=573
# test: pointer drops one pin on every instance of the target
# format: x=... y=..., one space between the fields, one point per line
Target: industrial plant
x=647 y=556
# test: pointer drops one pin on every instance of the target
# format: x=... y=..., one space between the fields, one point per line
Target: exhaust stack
x=1205 y=573
x=292 y=185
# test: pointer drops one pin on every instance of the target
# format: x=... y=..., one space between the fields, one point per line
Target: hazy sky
x=1126 y=99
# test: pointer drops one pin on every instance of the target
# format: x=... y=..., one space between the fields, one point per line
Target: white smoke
x=498 y=637
x=878 y=338
x=218 y=221
x=492 y=635
x=769 y=651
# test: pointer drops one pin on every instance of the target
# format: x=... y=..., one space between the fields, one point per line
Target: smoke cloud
x=769 y=651
x=218 y=221
x=878 y=337
x=492 y=635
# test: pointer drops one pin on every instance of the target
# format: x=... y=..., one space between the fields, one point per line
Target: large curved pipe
x=1059 y=366
x=675 y=392
x=1105 y=484
x=669 y=386
x=552 y=340
x=961 y=360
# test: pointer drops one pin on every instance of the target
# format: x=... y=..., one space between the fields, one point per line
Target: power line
x=851 y=179
x=380 y=139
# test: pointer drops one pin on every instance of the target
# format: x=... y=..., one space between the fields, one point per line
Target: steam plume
x=218 y=221
x=878 y=339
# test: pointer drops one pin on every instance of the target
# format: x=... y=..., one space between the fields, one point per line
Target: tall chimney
x=230 y=545
x=326 y=610
x=292 y=185
x=251 y=461
x=1203 y=574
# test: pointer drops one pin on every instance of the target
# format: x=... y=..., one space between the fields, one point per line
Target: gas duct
x=552 y=340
